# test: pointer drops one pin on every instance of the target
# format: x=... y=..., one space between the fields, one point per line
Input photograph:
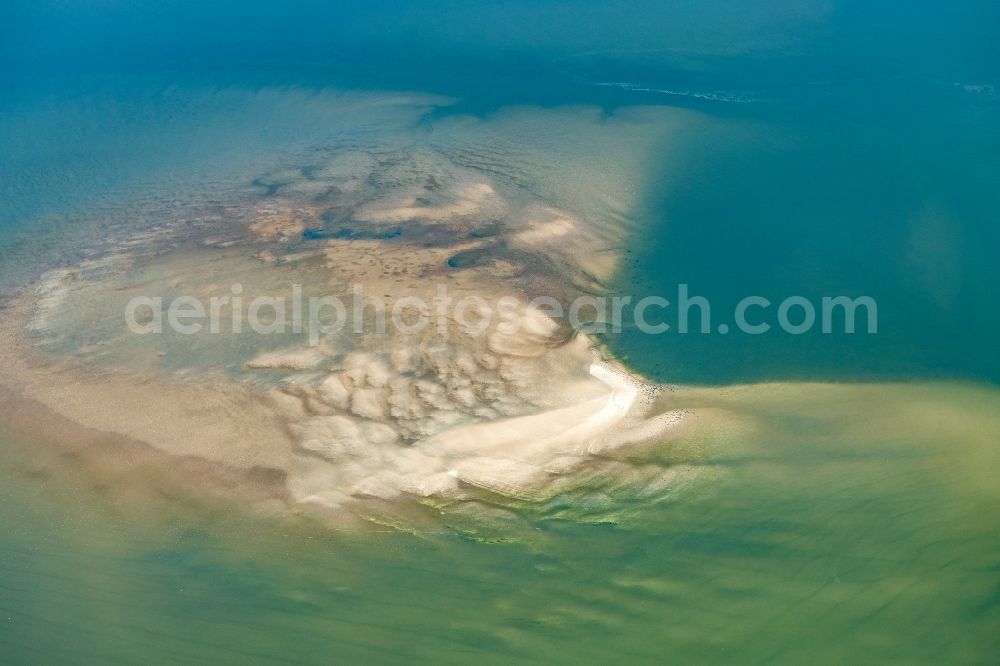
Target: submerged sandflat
x=450 y=414
x=514 y=496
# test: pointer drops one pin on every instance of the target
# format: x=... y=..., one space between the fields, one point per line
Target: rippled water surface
x=829 y=499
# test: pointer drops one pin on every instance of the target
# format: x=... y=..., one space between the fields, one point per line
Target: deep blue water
x=880 y=188
x=854 y=153
x=849 y=147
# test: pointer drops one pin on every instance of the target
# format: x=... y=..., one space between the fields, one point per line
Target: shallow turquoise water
x=851 y=149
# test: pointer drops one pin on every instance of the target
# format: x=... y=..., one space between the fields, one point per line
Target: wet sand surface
x=445 y=415
x=246 y=497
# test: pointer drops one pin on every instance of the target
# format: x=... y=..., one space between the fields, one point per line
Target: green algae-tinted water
x=853 y=525
x=849 y=147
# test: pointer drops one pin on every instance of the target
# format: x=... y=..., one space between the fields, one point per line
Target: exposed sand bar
x=365 y=415
x=513 y=205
